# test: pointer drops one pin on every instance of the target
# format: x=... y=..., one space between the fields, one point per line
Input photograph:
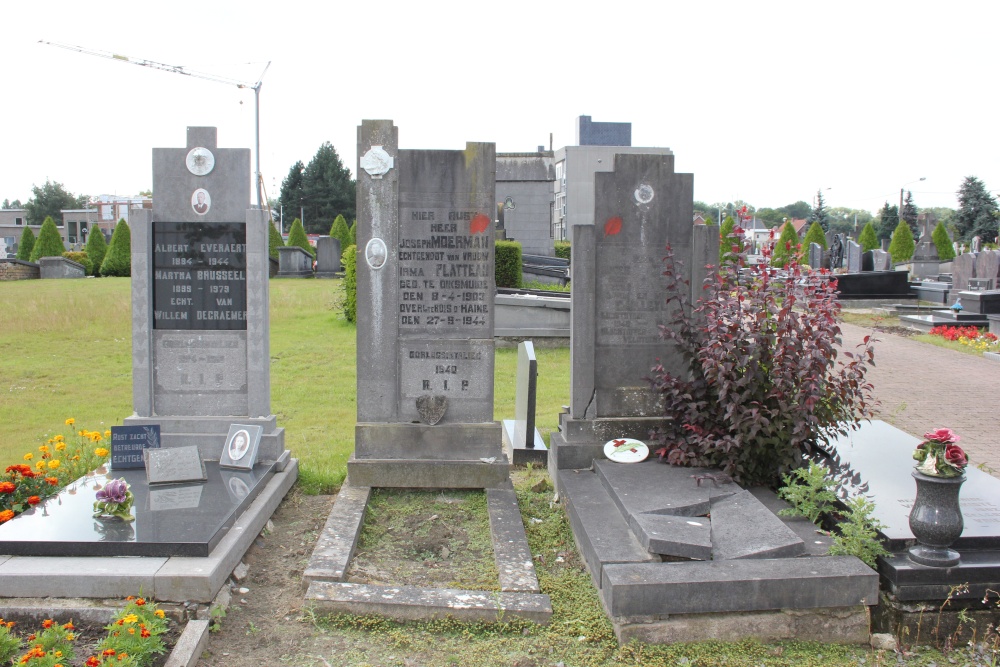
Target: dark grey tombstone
x=868 y=260
x=522 y=441
x=853 y=254
x=60 y=267
x=988 y=267
x=815 y=256
x=294 y=262
x=425 y=274
x=885 y=244
x=963 y=267
x=881 y=260
x=200 y=341
x=619 y=301
x=926 y=249
x=327 y=257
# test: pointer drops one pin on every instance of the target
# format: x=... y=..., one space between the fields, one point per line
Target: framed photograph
x=241 y=446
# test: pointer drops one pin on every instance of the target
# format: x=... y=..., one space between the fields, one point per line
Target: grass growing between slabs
x=66 y=351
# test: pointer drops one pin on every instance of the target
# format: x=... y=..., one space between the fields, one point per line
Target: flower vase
x=936 y=520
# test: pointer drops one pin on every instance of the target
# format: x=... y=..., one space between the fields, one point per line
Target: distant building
x=524 y=199
x=12 y=224
x=589 y=133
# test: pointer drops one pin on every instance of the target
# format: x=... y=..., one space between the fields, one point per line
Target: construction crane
x=180 y=69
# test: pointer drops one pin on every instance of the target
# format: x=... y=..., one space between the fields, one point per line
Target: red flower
x=48 y=623
x=108 y=651
x=140 y=601
x=92 y=661
x=954 y=455
x=943 y=435
x=34 y=500
x=7 y=487
x=144 y=633
x=53 y=481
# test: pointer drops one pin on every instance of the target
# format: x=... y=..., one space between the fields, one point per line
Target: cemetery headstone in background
x=327 y=257
x=963 y=268
x=425 y=316
x=522 y=441
x=815 y=256
x=853 y=252
x=200 y=337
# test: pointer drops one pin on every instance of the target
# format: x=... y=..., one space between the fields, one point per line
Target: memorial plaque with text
x=128 y=443
x=199 y=276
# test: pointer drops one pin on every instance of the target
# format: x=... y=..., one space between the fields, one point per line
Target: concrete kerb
x=327 y=570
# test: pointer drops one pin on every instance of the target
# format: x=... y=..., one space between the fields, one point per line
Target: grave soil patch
x=429 y=539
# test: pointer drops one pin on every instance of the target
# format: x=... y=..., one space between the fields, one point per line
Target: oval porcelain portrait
x=239 y=445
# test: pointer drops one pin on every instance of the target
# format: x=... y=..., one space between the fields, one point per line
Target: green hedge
x=274 y=241
x=508 y=265
x=562 y=250
x=26 y=245
x=349 y=258
x=49 y=243
x=118 y=261
x=297 y=237
x=96 y=249
x=82 y=258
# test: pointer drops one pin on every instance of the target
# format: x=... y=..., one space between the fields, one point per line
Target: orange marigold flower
x=101 y=452
x=76 y=458
x=59 y=438
x=6 y=515
x=92 y=661
x=144 y=634
x=130 y=598
x=33 y=500
x=108 y=651
x=47 y=623
x=60 y=446
x=53 y=481
x=70 y=421
x=159 y=613
x=7 y=487
x=31 y=637
x=69 y=626
x=140 y=601
x=45 y=449
x=131 y=631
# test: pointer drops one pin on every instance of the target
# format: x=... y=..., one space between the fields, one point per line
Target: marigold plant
x=765 y=381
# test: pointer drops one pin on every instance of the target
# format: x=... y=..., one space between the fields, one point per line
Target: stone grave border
x=520 y=595
x=174 y=579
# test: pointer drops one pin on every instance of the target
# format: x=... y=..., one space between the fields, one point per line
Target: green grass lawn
x=66 y=351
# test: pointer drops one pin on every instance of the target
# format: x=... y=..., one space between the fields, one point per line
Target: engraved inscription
x=199 y=275
x=451 y=368
x=631 y=297
x=193 y=363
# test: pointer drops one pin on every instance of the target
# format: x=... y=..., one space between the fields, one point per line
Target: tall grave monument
x=425 y=287
x=619 y=299
x=200 y=337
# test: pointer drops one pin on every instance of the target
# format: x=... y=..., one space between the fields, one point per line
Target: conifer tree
x=354 y=232
x=945 y=250
x=96 y=249
x=49 y=243
x=297 y=237
x=814 y=235
x=977 y=211
x=26 y=245
x=902 y=246
x=786 y=247
x=868 y=240
x=340 y=231
x=118 y=260
x=274 y=241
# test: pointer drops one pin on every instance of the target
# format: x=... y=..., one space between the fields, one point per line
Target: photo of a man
x=201 y=201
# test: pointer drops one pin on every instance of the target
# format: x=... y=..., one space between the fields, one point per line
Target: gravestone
x=988 y=267
x=200 y=341
x=963 y=268
x=327 y=257
x=619 y=299
x=815 y=256
x=925 y=262
x=868 y=261
x=425 y=275
x=881 y=260
x=853 y=253
x=522 y=441
x=294 y=262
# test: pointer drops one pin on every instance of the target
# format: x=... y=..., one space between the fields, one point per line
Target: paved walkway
x=923 y=387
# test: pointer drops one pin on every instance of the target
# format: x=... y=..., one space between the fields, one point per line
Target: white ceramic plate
x=626 y=450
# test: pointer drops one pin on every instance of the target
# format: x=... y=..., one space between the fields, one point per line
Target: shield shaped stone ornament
x=431 y=408
x=377 y=162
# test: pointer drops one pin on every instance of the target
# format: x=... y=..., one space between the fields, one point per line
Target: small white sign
x=626 y=450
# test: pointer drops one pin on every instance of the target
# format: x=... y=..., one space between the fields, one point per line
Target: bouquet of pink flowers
x=939 y=454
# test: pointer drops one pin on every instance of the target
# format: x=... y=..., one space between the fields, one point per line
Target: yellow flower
x=81 y=433
x=159 y=613
x=40 y=465
x=53 y=464
x=130 y=618
x=60 y=446
x=107 y=434
x=95 y=436
x=101 y=452
x=29 y=456
x=59 y=438
x=70 y=421
x=51 y=440
x=45 y=449
x=76 y=458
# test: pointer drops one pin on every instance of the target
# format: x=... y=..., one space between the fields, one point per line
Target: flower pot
x=936 y=520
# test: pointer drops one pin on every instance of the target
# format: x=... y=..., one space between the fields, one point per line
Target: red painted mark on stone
x=612 y=226
x=480 y=223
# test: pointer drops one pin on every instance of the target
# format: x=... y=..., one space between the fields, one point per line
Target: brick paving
x=922 y=387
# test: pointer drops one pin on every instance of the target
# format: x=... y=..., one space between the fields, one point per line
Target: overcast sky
x=762 y=101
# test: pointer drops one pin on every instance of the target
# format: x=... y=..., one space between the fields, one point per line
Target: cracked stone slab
x=407 y=603
x=680 y=536
x=339 y=537
x=743 y=527
x=510 y=543
x=653 y=487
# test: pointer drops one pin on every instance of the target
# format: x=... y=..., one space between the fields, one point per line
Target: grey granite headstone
x=524 y=406
x=294 y=262
x=881 y=260
x=868 y=260
x=200 y=317
x=60 y=267
x=425 y=275
x=327 y=257
x=175 y=465
x=853 y=254
x=926 y=249
x=963 y=267
x=815 y=256
x=988 y=266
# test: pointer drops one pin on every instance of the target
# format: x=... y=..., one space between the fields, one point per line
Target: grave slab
x=654 y=487
x=599 y=529
x=655 y=590
x=78 y=577
x=679 y=536
x=911 y=581
x=408 y=603
x=190 y=646
x=339 y=538
x=510 y=543
x=744 y=528
x=416 y=474
x=537 y=455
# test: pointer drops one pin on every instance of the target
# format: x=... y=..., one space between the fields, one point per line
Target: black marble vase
x=936 y=520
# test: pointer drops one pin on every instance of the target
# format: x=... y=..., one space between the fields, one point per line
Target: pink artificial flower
x=943 y=435
x=954 y=455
